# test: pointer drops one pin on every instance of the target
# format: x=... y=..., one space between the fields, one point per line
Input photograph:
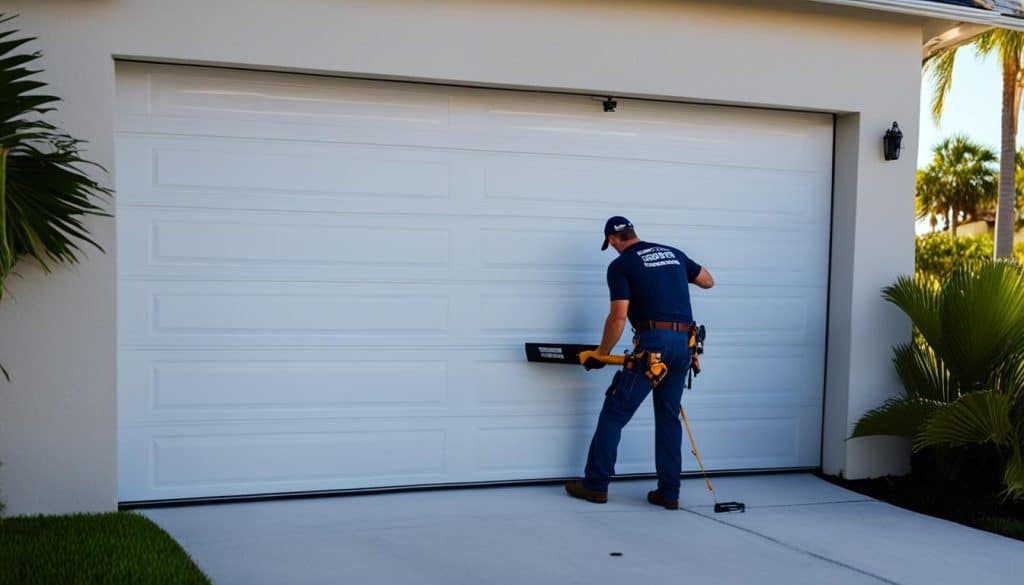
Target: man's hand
x=590 y=361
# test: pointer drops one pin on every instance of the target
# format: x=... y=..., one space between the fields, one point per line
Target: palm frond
x=902 y=417
x=982 y=320
x=923 y=373
x=49 y=196
x=1013 y=476
x=920 y=299
x=985 y=43
x=47 y=191
x=940 y=68
x=1008 y=378
x=1007 y=44
x=974 y=418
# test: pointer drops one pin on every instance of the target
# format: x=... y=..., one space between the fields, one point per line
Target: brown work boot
x=575 y=489
x=654 y=498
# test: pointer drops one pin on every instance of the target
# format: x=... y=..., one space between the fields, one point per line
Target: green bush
x=963 y=374
x=938 y=255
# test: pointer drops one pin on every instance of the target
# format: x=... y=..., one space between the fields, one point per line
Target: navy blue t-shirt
x=655 y=280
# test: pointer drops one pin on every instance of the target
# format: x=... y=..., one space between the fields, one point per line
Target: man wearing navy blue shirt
x=649 y=285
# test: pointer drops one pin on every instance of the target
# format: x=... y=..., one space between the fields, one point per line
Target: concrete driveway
x=797 y=529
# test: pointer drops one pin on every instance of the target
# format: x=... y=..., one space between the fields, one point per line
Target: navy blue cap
x=614 y=225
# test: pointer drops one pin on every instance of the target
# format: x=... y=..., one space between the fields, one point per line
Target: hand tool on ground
x=561 y=353
x=719 y=506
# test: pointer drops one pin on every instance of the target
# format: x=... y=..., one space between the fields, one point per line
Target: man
x=649 y=284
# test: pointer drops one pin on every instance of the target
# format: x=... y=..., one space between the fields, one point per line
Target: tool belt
x=649 y=362
x=672 y=325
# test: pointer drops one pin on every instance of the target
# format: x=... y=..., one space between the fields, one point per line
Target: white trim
x=935 y=10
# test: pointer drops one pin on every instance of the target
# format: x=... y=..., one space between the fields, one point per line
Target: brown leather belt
x=673 y=325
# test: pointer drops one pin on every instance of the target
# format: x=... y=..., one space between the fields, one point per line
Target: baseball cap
x=614 y=225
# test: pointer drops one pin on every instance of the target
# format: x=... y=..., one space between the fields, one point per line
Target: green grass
x=119 y=547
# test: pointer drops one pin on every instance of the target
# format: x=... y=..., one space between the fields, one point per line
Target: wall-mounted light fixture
x=892 y=143
x=609 y=104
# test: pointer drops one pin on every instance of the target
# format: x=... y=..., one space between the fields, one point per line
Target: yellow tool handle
x=612 y=360
x=693 y=449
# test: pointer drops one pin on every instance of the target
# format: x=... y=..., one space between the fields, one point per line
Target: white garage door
x=325 y=284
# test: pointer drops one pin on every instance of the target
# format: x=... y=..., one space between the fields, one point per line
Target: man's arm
x=704 y=279
x=613 y=326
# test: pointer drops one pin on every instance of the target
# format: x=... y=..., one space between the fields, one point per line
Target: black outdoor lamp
x=892 y=142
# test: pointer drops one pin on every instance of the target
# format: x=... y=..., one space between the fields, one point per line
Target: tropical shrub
x=937 y=255
x=963 y=374
x=44 y=189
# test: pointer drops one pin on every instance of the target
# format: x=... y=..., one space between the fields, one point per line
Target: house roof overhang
x=993 y=13
x=949 y=23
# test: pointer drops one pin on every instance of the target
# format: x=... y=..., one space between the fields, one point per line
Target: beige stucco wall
x=57 y=332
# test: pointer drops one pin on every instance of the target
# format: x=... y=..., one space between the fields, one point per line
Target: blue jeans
x=628 y=390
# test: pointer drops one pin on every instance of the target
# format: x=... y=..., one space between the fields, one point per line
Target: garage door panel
x=214 y=460
x=155 y=98
x=214 y=165
x=507 y=451
x=207 y=244
x=515 y=314
x=279 y=314
x=506 y=386
x=767 y=377
x=242 y=175
x=761 y=315
x=281 y=106
x=171 y=387
x=229 y=458
x=765 y=256
x=275 y=313
x=292 y=100
x=644 y=185
x=326 y=283
x=174 y=238
x=682 y=133
x=785 y=435
x=239 y=386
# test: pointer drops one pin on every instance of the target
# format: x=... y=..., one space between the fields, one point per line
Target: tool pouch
x=648 y=362
x=696 y=344
x=656 y=369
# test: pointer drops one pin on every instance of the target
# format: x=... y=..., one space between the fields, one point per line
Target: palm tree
x=44 y=191
x=959 y=183
x=1018 y=182
x=1009 y=45
x=963 y=374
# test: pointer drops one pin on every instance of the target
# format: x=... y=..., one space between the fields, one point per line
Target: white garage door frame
x=129 y=378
